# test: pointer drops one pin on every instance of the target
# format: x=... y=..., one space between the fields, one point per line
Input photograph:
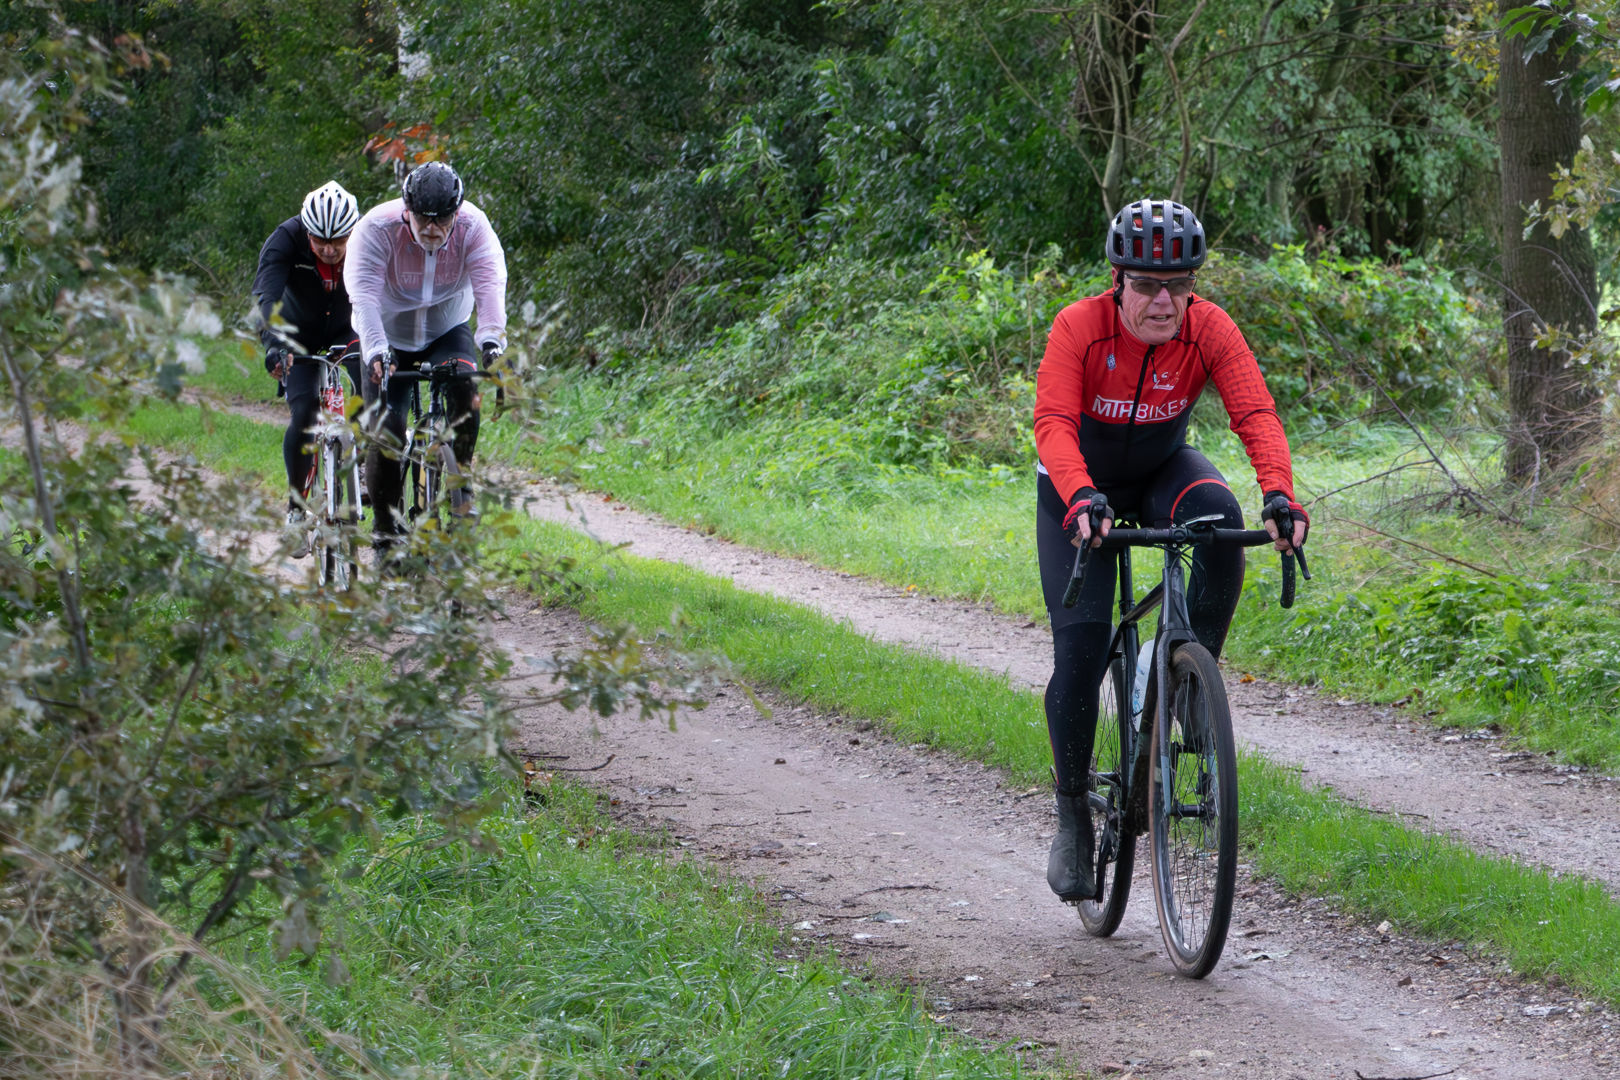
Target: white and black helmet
x=329 y=211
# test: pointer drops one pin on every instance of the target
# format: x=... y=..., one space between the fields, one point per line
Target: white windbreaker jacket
x=405 y=298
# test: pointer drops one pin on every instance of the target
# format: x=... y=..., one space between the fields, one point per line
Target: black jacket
x=287 y=273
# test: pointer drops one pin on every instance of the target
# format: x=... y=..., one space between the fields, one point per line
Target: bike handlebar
x=336 y=354
x=443 y=373
x=1182 y=535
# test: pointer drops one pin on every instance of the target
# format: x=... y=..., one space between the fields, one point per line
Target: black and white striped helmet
x=329 y=211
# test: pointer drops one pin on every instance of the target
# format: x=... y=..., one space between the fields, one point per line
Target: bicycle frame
x=431 y=430
x=1166 y=780
x=1175 y=626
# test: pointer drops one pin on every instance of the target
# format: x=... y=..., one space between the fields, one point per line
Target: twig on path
x=733 y=824
x=1425 y=1076
x=790 y=813
x=849 y=901
x=879 y=944
x=665 y=805
x=587 y=768
x=863 y=915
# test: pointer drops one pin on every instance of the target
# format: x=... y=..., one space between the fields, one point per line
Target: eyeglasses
x=441 y=220
x=1149 y=287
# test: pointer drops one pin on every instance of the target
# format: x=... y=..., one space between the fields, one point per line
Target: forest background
x=812 y=250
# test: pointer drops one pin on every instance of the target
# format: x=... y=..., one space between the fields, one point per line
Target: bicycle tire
x=454 y=489
x=1116 y=845
x=319 y=505
x=1194 y=832
x=345 y=554
x=336 y=545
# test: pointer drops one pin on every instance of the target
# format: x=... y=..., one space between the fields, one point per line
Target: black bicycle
x=1174 y=772
x=435 y=483
x=332 y=491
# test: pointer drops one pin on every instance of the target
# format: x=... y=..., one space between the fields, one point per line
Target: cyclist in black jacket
x=301 y=272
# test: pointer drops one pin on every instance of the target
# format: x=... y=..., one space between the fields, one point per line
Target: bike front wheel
x=1115 y=844
x=336 y=544
x=1192 y=810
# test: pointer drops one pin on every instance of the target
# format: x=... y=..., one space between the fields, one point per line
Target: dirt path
x=929 y=871
x=1464 y=784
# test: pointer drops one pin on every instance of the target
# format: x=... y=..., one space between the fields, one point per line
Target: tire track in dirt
x=917 y=867
x=1464 y=784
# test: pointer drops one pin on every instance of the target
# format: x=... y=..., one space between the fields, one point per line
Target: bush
x=1334 y=334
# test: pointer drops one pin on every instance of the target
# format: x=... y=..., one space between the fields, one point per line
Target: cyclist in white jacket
x=417 y=267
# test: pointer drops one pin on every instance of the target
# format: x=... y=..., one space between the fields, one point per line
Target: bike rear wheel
x=1116 y=845
x=1192 y=808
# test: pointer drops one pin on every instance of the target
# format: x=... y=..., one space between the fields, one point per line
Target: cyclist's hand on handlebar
x=1282 y=513
x=1089 y=518
x=492 y=361
x=275 y=361
x=377 y=364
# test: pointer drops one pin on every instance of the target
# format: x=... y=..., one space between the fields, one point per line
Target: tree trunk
x=1110 y=47
x=1547 y=281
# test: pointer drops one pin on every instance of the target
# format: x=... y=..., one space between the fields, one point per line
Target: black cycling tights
x=1186 y=487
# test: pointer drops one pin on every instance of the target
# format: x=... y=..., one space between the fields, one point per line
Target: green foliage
x=235 y=109
x=1334 y=335
x=576 y=948
x=182 y=722
x=1517 y=641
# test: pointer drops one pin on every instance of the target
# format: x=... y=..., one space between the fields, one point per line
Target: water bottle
x=1144 y=657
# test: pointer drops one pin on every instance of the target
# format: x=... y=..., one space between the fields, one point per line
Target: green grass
x=1309 y=840
x=577 y=949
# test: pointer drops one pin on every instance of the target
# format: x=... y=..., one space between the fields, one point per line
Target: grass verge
x=575 y=948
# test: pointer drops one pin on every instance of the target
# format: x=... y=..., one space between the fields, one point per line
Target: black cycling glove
x=1086 y=500
x=492 y=359
x=1285 y=511
x=275 y=357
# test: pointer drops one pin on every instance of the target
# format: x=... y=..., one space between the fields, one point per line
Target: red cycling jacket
x=1110 y=410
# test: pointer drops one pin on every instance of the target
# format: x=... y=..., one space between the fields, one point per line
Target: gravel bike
x=1172 y=772
x=434 y=481
x=332 y=492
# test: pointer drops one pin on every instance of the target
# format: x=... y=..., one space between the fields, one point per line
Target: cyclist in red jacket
x=1113 y=396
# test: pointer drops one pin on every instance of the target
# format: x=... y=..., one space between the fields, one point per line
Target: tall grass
x=565 y=946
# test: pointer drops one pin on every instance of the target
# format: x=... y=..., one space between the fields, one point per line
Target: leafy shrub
x=1506 y=639
x=1333 y=332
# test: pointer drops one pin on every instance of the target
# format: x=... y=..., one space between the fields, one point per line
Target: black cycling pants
x=384 y=475
x=1185 y=487
x=303 y=383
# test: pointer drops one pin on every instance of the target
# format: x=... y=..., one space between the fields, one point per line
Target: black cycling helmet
x=432 y=189
x=1156 y=234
